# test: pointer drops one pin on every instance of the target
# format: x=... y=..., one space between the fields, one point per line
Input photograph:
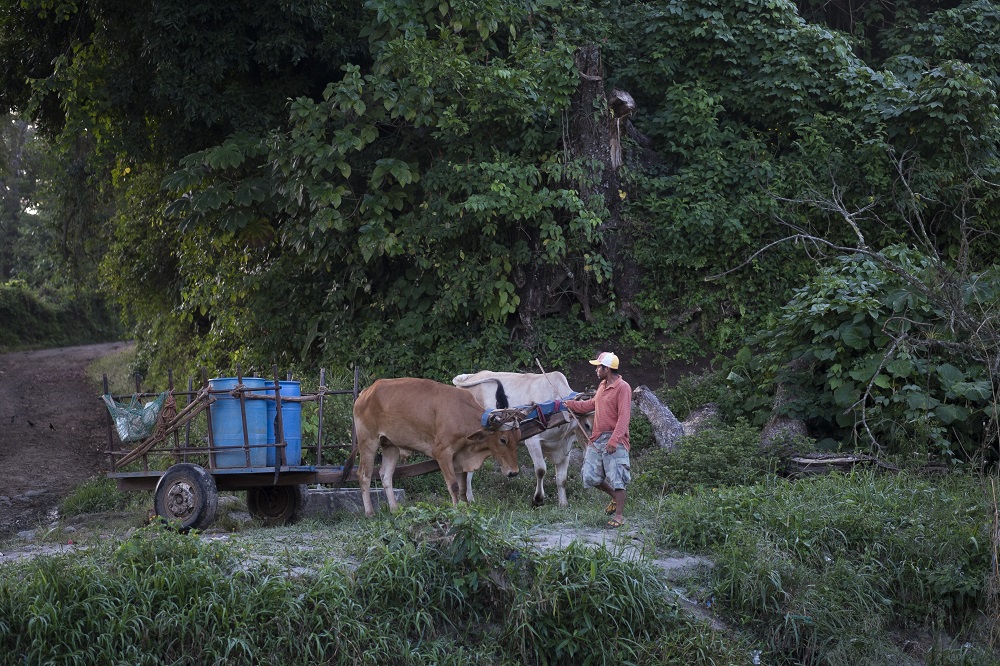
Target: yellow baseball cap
x=607 y=359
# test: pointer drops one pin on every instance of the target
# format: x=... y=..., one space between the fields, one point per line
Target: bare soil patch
x=53 y=430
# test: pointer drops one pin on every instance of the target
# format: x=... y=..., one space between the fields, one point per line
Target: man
x=606 y=463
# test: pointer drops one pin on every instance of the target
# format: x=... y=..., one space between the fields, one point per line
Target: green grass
x=96 y=495
x=432 y=585
x=858 y=569
x=826 y=567
x=826 y=570
x=119 y=369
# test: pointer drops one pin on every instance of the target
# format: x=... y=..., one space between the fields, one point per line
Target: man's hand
x=611 y=447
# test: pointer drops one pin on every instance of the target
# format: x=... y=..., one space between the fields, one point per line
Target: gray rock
x=702 y=418
x=325 y=501
x=666 y=428
x=782 y=431
x=230 y=502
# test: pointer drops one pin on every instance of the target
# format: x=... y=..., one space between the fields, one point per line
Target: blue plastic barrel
x=227 y=423
x=291 y=424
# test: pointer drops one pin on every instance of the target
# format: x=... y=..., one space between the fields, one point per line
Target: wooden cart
x=186 y=492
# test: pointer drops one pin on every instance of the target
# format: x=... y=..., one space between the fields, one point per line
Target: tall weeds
x=431 y=586
x=823 y=567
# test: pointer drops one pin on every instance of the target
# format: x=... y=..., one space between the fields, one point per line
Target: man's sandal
x=611 y=508
x=614 y=523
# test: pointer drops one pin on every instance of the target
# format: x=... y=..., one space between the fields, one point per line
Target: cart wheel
x=187 y=494
x=277 y=505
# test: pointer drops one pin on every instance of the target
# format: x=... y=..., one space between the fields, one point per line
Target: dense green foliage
x=715 y=457
x=824 y=566
x=422 y=188
x=19 y=167
x=29 y=320
x=47 y=257
x=921 y=364
x=410 y=200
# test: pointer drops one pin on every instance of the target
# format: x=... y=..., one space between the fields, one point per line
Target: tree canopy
x=420 y=186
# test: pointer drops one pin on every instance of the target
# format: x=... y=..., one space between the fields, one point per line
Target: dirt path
x=53 y=429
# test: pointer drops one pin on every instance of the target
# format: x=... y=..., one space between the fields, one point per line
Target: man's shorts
x=599 y=466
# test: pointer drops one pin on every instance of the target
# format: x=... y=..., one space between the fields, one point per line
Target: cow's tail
x=501 y=396
x=502 y=401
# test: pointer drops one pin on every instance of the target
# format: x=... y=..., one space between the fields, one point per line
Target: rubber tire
x=186 y=495
x=277 y=505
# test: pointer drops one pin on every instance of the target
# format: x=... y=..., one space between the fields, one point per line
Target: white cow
x=513 y=389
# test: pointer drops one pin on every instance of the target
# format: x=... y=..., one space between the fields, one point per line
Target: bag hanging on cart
x=135 y=421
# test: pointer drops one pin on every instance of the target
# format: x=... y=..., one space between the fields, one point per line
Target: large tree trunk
x=540 y=287
x=597 y=121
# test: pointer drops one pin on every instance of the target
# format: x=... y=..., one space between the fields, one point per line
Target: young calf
x=424 y=416
x=513 y=389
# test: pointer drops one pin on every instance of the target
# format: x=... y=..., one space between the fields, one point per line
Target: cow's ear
x=477 y=436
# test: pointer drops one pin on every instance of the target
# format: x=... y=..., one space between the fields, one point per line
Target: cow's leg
x=560 y=460
x=450 y=478
x=463 y=486
x=390 y=456
x=534 y=446
x=366 y=463
x=468 y=487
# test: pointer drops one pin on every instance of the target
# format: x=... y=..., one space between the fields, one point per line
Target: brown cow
x=437 y=420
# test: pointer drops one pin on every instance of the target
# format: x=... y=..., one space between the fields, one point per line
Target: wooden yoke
x=572 y=417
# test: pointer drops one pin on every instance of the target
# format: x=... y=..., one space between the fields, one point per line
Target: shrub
x=693 y=391
x=899 y=368
x=824 y=565
x=585 y=606
x=29 y=319
x=94 y=496
x=723 y=456
x=640 y=432
x=433 y=567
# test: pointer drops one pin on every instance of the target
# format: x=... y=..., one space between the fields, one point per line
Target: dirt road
x=53 y=429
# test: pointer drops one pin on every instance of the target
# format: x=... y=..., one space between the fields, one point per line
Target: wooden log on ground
x=809 y=464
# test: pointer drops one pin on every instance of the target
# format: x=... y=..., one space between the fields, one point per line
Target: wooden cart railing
x=173 y=438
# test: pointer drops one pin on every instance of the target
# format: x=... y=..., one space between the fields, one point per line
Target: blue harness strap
x=538 y=410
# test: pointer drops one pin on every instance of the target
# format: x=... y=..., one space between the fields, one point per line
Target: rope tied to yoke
x=498 y=418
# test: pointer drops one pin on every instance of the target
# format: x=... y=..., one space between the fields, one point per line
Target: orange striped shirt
x=612 y=407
